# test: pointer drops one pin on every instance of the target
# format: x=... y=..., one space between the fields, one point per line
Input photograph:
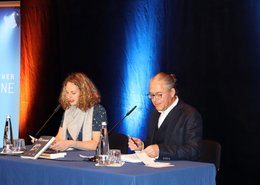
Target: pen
x=134 y=142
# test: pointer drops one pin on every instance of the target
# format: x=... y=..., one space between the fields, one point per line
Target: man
x=175 y=128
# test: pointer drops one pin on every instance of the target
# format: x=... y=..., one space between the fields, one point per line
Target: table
x=72 y=170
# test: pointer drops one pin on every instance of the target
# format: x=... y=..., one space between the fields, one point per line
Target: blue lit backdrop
x=9 y=68
x=143 y=36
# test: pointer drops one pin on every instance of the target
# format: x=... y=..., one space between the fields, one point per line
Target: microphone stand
x=127 y=114
x=55 y=110
x=95 y=158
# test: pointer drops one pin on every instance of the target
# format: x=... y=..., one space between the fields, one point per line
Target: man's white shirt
x=166 y=112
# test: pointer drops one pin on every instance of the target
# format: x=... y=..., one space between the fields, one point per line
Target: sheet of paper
x=148 y=161
x=145 y=158
x=131 y=158
x=160 y=165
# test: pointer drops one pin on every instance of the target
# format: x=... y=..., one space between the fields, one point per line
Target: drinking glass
x=114 y=157
x=19 y=145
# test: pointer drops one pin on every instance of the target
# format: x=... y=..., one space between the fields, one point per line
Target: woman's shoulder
x=99 y=108
x=99 y=113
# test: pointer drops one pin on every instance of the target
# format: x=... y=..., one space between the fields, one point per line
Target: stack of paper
x=142 y=157
x=131 y=158
x=148 y=161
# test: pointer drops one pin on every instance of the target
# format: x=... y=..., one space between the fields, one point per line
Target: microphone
x=127 y=114
x=54 y=111
x=95 y=158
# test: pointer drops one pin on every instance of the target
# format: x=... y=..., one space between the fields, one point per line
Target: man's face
x=161 y=96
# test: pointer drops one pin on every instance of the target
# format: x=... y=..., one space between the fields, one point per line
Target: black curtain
x=212 y=47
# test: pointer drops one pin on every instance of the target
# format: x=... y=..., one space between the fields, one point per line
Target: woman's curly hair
x=89 y=94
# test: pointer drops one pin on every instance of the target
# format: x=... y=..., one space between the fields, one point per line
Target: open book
x=38 y=147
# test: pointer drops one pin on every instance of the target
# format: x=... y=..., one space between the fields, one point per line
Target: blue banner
x=9 y=68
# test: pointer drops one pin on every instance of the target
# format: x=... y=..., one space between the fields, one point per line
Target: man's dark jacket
x=179 y=135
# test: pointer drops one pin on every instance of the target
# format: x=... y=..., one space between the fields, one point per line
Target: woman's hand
x=61 y=145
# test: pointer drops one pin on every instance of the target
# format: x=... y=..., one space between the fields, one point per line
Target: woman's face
x=72 y=93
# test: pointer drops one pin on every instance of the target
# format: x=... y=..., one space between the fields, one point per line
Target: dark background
x=211 y=45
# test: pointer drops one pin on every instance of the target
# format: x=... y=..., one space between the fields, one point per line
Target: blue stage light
x=141 y=63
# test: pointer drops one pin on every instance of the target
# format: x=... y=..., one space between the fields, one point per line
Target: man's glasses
x=157 y=96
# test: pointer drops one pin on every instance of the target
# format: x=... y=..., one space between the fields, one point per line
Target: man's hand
x=135 y=144
x=152 y=150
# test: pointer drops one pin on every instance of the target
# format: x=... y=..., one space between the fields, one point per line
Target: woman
x=81 y=124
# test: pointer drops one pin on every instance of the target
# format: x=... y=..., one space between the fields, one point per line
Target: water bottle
x=103 y=146
x=8 y=136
